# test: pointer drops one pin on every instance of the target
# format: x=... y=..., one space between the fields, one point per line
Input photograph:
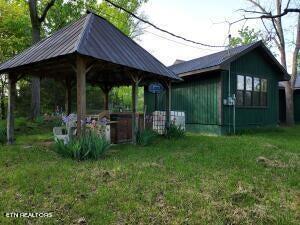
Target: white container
x=159 y=120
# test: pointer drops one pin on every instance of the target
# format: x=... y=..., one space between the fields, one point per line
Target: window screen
x=256 y=92
x=264 y=90
x=240 y=82
x=249 y=84
x=251 y=91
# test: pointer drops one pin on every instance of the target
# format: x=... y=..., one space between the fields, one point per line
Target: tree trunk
x=289 y=99
x=35 y=80
x=289 y=89
x=35 y=97
x=10 y=109
x=135 y=121
x=36 y=23
x=68 y=97
x=2 y=104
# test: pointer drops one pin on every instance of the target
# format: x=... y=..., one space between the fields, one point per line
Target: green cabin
x=282 y=113
x=224 y=92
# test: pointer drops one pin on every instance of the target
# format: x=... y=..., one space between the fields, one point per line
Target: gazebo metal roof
x=94 y=37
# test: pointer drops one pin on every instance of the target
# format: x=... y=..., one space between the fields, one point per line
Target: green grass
x=194 y=180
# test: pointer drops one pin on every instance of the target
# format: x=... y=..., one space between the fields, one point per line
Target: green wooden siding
x=202 y=97
x=253 y=64
x=198 y=98
x=297 y=105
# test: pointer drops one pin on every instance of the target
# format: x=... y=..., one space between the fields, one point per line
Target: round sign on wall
x=155 y=88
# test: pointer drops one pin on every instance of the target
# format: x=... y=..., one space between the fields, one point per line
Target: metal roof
x=92 y=36
x=216 y=60
x=297 y=83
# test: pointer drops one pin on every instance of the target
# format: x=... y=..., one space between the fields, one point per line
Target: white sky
x=199 y=20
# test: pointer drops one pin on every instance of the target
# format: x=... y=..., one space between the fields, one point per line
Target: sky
x=199 y=20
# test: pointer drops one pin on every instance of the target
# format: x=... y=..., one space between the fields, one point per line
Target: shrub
x=2 y=135
x=175 y=132
x=145 y=137
x=39 y=120
x=21 y=122
x=89 y=146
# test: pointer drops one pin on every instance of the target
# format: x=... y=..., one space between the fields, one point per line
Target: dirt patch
x=268 y=145
x=80 y=221
x=245 y=195
x=151 y=165
x=270 y=162
x=236 y=215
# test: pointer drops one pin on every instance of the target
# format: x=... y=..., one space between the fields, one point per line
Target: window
x=240 y=90
x=240 y=82
x=251 y=91
x=263 y=94
x=256 y=91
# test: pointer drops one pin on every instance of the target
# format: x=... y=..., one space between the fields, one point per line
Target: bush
x=145 y=137
x=39 y=120
x=175 y=132
x=2 y=135
x=89 y=146
x=21 y=122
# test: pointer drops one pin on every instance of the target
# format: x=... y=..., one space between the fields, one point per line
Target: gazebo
x=89 y=50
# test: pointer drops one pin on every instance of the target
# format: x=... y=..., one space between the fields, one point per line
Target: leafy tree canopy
x=246 y=36
x=15 y=28
x=64 y=12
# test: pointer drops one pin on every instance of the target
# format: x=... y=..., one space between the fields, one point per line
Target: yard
x=252 y=178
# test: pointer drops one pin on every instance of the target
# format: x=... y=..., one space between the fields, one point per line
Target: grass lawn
x=246 y=179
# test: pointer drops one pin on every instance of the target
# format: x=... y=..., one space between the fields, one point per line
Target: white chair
x=59 y=136
x=70 y=130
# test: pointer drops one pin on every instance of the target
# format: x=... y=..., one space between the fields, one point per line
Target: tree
x=63 y=12
x=246 y=36
x=38 y=12
x=125 y=22
x=272 y=17
x=15 y=35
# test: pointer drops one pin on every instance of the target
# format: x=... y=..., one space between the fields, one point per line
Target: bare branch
x=255 y=3
x=46 y=9
x=251 y=11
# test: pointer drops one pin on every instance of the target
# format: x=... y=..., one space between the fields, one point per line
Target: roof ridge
x=134 y=42
x=83 y=31
x=195 y=59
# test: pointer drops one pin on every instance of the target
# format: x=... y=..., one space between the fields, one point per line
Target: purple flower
x=65 y=119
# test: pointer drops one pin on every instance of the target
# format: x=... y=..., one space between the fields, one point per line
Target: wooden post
x=155 y=101
x=106 y=89
x=68 y=104
x=106 y=100
x=135 y=120
x=11 y=108
x=81 y=94
x=168 y=104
